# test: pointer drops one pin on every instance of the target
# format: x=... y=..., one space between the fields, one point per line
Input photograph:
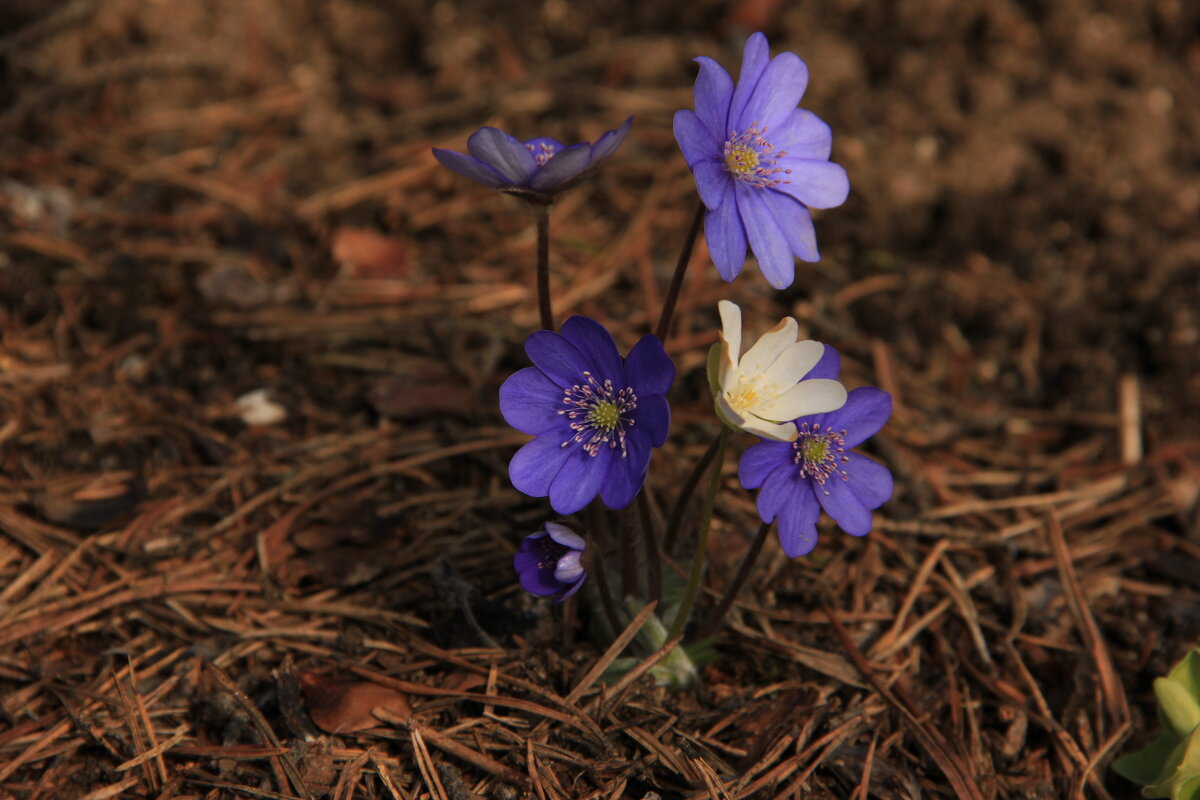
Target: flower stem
x=542 y=214
x=649 y=541
x=685 y=255
x=731 y=592
x=700 y=557
x=629 y=578
x=600 y=531
x=675 y=521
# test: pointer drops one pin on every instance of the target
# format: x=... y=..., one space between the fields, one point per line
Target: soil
x=255 y=520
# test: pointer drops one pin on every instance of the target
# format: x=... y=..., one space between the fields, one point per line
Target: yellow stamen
x=741 y=159
x=605 y=414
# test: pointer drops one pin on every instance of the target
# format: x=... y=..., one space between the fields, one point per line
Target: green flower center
x=815 y=451
x=741 y=159
x=605 y=415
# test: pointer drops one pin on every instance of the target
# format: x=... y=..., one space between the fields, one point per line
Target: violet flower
x=596 y=415
x=550 y=562
x=818 y=471
x=536 y=169
x=760 y=162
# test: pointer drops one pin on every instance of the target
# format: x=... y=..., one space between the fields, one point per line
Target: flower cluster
x=760 y=164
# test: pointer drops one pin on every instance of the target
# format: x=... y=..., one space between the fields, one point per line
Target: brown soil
x=201 y=200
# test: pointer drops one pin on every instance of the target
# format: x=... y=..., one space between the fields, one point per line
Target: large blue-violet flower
x=818 y=471
x=535 y=169
x=550 y=562
x=760 y=162
x=596 y=415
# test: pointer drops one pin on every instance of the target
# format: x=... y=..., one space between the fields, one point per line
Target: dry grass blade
x=610 y=655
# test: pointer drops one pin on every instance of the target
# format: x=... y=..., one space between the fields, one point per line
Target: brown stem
x=542 y=214
x=685 y=494
x=685 y=255
x=649 y=541
x=731 y=592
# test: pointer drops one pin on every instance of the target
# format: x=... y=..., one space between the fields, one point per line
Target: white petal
x=731 y=341
x=727 y=411
x=816 y=396
x=793 y=364
x=769 y=347
x=769 y=430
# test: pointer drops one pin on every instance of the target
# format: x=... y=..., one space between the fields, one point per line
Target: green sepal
x=1189 y=789
x=1148 y=765
x=1179 y=708
x=1183 y=765
x=714 y=383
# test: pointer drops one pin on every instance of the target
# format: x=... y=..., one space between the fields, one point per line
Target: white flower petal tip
x=762 y=391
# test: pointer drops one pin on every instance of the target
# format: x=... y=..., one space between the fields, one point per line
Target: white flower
x=764 y=390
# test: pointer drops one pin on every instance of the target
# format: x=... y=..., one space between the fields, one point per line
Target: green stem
x=698 y=560
x=731 y=592
x=542 y=213
x=685 y=255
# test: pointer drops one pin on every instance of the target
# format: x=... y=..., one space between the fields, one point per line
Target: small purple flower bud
x=536 y=169
x=550 y=562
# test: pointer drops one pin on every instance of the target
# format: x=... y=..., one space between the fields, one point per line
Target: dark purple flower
x=818 y=471
x=596 y=415
x=550 y=562
x=760 y=163
x=536 y=169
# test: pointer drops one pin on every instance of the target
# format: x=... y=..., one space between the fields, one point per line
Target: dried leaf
x=338 y=706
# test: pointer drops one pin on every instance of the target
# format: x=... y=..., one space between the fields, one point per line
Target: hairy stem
x=675 y=521
x=542 y=213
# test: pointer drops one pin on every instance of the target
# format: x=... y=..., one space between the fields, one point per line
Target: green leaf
x=1186 y=761
x=1189 y=789
x=1178 y=703
x=714 y=369
x=1148 y=764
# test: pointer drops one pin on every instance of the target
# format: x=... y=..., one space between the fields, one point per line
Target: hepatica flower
x=760 y=162
x=550 y=562
x=535 y=169
x=596 y=415
x=776 y=381
x=818 y=471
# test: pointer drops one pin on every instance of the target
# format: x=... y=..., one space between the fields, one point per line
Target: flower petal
x=569 y=567
x=796 y=361
x=562 y=167
x=830 y=365
x=503 y=153
x=530 y=402
x=626 y=475
x=766 y=240
x=559 y=359
x=694 y=138
x=768 y=349
x=713 y=182
x=596 y=346
x=580 y=478
x=782 y=487
x=731 y=340
x=726 y=237
x=761 y=460
x=794 y=224
x=713 y=89
x=572 y=590
x=565 y=536
x=607 y=144
x=798 y=523
x=803 y=134
x=841 y=503
x=803 y=400
x=870 y=480
x=816 y=184
x=755 y=57
x=648 y=368
x=534 y=467
x=469 y=167
x=767 y=429
x=775 y=96
x=653 y=415
x=867 y=409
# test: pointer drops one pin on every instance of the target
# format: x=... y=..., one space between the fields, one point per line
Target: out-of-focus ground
x=252 y=469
